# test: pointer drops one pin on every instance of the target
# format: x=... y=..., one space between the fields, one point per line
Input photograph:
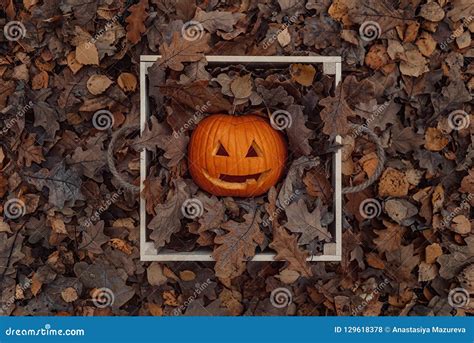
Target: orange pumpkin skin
x=236 y=156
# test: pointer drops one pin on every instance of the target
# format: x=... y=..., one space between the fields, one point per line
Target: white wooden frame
x=331 y=66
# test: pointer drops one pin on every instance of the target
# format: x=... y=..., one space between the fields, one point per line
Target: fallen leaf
x=303 y=74
x=87 y=54
x=136 y=21
x=127 y=81
x=435 y=140
x=393 y=183
x=181 y=50
x=286 y=246
x=97 y=84
x=236 y=246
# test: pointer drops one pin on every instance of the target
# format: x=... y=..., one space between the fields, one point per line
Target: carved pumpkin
x=236 y=156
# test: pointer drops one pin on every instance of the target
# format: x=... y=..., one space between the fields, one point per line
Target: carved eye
x=252 y=151
x=221 y=151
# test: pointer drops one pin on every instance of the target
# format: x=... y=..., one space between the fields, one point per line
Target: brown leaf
x=196 y=95
x=86 y=54
x=393 y=183
x=168 y=218
x=432 y=252
x=335 y=113
x=97 y=84
x=298 y=134
x=181 y=50
x=435 y=140
x=241 y=87
x=127 y=81
x=28 y=152
x=303 y=74
x=237 y=246
x=389 y=239
x=136 y=21
x=286 y=246
x=217 y=20
x=300 y=220
x=317 y=185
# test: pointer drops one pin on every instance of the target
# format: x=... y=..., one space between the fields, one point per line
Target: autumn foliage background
x=78 y=57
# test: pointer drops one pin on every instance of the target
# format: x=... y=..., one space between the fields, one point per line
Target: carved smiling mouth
x=239 y=178
x=237 y=182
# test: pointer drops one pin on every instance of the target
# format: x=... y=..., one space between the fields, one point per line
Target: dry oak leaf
x=435 y=140
x=181 y=50
x=286 y=246
x=167 y=221
x=28 y=152
x=402 y=262
x=136 y=21
x=127 y=81
x=298 y=134
x=217 y=20
x=393 y=183
x=241 y=87
x=97 y=84
x=459 y=257
x=86 y=54
x=300 y=220
x=335 y=113
x=390 y=238
x=461 y=224
x=69 y=294
x=303 y=74
x=197 y=94
x=317 y=185
x=237 y=245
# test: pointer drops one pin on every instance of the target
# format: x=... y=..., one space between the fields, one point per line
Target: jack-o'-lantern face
x=236 y=156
